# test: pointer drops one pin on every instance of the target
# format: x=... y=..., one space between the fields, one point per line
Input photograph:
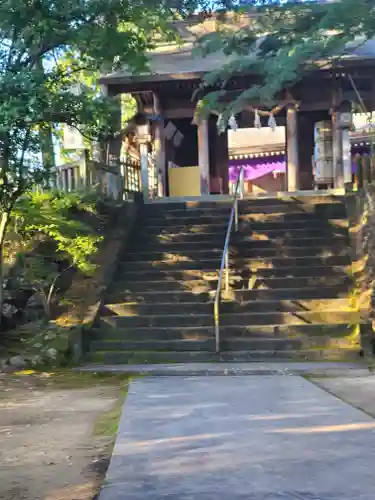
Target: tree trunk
x=48 y=153
x=4 y=221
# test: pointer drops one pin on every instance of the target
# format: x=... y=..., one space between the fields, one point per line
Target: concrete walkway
x=275 y=437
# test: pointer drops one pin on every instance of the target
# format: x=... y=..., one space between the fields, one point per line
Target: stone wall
x=361 y=214
x=66 y=339
x=87 y=296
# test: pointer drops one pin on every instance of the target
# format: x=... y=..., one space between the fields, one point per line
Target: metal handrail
x=224 y=266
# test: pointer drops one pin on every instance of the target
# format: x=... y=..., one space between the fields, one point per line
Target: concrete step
x=237 y=240
x=213 y=263
x=226 y=344
x=251 y=282
x=245 y=252
x=194 y=286
x=233 y=319
x=286 y=272
x=313 y=292
x=155 y=357
x=218 y=231
x=248 y=202
x=128 y=309
x=115 y=296
x=212 y=240
x=272 y=223
x=222 y=210
x=242 y=243
x=262 y=283
x=197 y=345
x=309 y=228
x=251 y=251
x=198 y=295
x=324 y=332
x=244 y=218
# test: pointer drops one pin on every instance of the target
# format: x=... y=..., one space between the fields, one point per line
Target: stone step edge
x=332 y=222
x=234 y=302
x=210 y=234
x=235 y=290
x=251 y=203
x=234 y=258
x=223 y=328
x=256 y=368
x=343 y=355
x=243 y=240
x=201 y=271
x=250 y=313
x=341 y=279
x=204 y=345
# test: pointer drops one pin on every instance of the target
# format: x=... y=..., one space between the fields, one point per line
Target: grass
x=67 y=379
x=107 y=424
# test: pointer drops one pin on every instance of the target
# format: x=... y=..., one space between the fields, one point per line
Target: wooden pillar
x=346 y=157
x=342 y=120
x=222 y=160
x=337 y=143
x=143 y=153
x=204 y=156
x=70 y=179
x=84 y=169
x=305 y=152
x=292 y=148
x=159 y=148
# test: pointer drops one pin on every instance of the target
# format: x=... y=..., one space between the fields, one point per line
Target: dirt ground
x=56 y=434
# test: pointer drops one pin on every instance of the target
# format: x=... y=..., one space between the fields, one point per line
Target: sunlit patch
x=178 y=439
x=25 y=372
x=259 y=237
x=339 y=223
x=325 y=428
x=77 y=492
x=172 y=257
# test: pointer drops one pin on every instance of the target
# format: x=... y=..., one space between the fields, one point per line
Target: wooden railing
x=113 y=181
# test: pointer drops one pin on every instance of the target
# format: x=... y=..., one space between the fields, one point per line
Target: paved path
x=255 y=368
x=240 y=438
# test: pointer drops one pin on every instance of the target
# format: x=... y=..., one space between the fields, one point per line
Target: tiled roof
x=177 y=61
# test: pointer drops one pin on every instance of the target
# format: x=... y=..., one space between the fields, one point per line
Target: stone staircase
x=291 y=291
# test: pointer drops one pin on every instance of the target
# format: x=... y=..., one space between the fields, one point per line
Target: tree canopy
x=45 y=49
x=280 y=43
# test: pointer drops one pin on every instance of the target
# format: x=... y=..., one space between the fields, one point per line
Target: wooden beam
x=171 y=114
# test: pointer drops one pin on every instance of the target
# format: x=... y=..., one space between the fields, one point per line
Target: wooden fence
x=114 y=181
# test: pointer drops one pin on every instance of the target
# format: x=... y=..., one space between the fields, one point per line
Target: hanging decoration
x=232 y=122
x=220 y=124
x=272 y=123
x=274 y=110
x=257 y=122
x=258 y=113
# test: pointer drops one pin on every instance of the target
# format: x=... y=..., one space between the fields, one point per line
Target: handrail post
x=236 y=214
x=224 y=265
x=227 y=271
x=242 y=182
x=217 y=327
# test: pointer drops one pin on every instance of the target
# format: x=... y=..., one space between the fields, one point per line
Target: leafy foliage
x=52 y=214
x=45 y=48
x=280 y=42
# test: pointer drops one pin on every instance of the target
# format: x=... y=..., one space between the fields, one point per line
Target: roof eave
x=126 y=79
